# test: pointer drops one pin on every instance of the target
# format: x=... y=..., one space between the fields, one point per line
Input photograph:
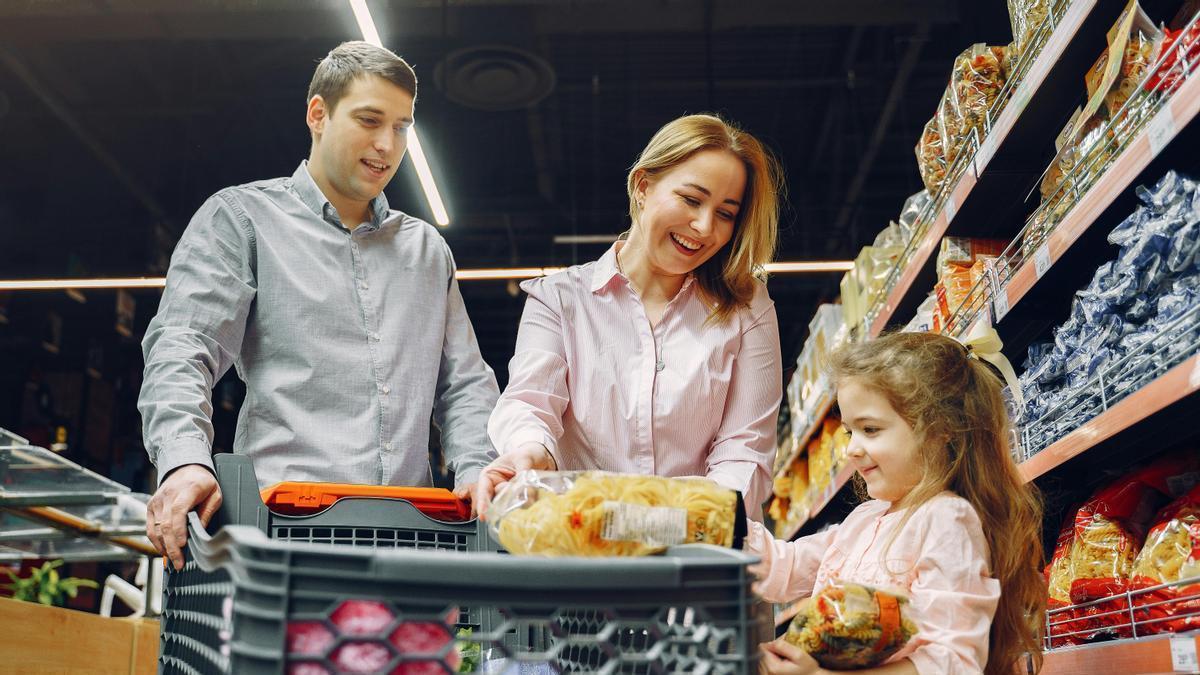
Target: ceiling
x=119 y=117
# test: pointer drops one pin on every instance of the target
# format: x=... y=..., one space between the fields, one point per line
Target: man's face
x=358 y=145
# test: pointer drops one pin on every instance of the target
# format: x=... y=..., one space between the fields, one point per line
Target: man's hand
x=182 y=491
x=502 y=469
x=782 y=658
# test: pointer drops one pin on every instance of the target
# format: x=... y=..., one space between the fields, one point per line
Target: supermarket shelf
x=822 y=412
x=1031 y=119
x=1181 y=381
x=1163 y=128
x=835 y=486
x=1157 y=654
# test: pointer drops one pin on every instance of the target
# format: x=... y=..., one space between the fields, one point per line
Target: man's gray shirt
x=347 y=342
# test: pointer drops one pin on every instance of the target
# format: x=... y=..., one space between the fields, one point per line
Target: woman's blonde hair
x=955 y=407
x=727 y=279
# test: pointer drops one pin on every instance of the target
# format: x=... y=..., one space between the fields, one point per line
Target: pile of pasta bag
x=1134 y=318
x=1095 y=563
x=1171 y=554
x=976 y=80
x=846 y=626
x=597 y=513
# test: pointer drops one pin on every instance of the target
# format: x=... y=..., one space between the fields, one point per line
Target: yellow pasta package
x=596 y=513
x=1171 y=554
x=848 y=626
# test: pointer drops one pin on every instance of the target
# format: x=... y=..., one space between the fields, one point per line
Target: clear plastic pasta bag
x=847 y=626
x=596 y=513
x=1171 y=554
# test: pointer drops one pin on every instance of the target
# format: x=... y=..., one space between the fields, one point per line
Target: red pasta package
x=1109 y=531
x=1058 y=588
x=1171 y=554
x=1180 y=54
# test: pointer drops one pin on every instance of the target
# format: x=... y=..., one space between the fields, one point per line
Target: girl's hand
x=781 y=658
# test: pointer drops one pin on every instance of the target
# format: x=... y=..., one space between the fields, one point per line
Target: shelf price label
x=1041 y=259
x=951 y=209
x=1183 y=655
x=1161 y=130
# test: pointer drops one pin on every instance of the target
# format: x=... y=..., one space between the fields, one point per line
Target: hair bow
x=983 y=342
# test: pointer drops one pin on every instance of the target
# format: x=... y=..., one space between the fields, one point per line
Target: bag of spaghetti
x=846 y=626
x=1171 y=554
x=596 y=513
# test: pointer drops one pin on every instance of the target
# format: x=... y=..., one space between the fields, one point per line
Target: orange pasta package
x=1171 y=554
x=847 y=626
x=1109 y=532
x=931 y=156
x=597 y=513
x=1133 y=43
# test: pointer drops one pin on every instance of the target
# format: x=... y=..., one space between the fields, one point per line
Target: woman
x=662 y=357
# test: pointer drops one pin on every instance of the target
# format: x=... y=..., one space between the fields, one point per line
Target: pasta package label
x=595 y=513
x=653 y=525
x=848 y=626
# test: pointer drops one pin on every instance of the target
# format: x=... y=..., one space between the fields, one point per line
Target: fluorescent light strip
x=70 y=284
x=420 y=162
x=814 y=266
x=461 y=275
x=585 y=238
x=506 y=273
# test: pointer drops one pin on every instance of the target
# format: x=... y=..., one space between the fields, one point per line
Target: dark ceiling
x=119 y=117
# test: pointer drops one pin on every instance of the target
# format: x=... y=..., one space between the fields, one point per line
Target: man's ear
x=317 y=115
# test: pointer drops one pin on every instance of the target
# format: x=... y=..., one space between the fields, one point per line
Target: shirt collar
x=606 y=270
x=319 y=204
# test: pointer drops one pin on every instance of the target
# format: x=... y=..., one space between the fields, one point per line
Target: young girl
x=949 y=522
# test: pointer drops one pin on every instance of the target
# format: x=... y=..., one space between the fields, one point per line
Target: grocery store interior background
x=118 y=118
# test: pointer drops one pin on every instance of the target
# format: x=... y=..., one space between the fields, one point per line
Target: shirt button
x=364 y=285
x=375 y=337
x=658 y=367
x=385 y=390
x=387 y=446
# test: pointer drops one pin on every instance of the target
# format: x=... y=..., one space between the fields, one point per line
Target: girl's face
x=883 y=446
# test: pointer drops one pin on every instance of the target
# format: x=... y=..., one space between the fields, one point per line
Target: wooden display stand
x=44 y=640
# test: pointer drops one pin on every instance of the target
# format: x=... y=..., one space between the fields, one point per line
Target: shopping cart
x=374 y=585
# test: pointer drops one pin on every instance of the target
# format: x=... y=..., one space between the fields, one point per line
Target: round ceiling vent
x=494 y=78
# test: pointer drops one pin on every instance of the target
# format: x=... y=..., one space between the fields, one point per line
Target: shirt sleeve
x=788 y=570
x=953 y=597
x=741 y=453
x=197 y=334
x=466 y=391
x=531 y=408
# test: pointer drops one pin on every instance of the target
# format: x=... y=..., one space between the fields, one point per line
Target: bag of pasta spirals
x=596 y=513
x=1171 y=554
x=848 y=626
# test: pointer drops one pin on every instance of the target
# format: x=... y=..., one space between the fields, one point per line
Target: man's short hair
x=351 y=60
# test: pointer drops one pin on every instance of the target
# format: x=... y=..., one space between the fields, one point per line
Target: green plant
x=44 y=585
x=469 y=652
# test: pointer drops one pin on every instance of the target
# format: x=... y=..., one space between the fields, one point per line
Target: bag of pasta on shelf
x=931 y=155
x=976 y=82
x=1109 y=531
x=1133 y=44
x=847 y=626
x=596 y=513
x=1027 y=18
x=1058 y=588
x=1171 y=554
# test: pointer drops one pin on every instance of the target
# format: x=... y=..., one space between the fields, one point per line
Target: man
x=343 y=318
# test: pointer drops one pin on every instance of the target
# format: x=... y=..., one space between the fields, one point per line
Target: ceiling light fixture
x=420 y=162
x=462 y=275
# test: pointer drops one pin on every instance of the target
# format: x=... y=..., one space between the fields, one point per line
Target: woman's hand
x=502 y=469
x=782 y=658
